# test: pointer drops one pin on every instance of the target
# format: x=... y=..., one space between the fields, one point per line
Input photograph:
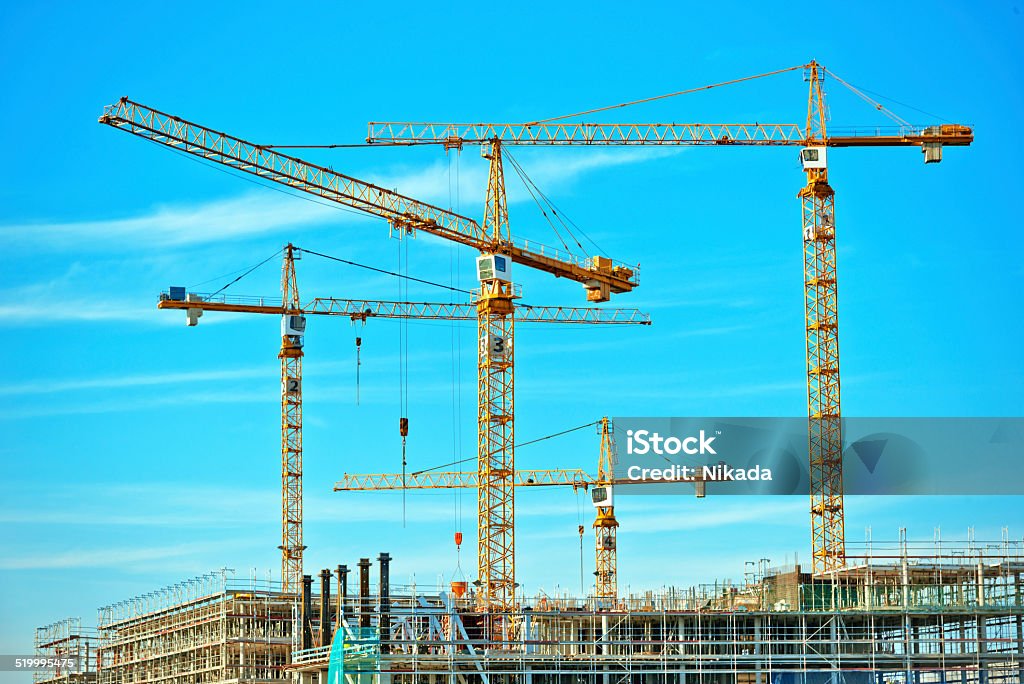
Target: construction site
x=871 y=612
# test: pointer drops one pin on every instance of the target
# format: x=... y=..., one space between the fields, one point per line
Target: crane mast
x=495 y=411
x=824 y=434
x=605 y=525
x=291 y=429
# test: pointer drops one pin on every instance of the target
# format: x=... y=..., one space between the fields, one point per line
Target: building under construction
x=903 y=612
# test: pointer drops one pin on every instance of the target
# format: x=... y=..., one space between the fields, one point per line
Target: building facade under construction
x=902 y=613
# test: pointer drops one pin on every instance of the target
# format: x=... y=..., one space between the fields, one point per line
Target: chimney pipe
x=325 y=607
x=384 y=592
x=342 y=592
x=364 y=593
x=307 y=610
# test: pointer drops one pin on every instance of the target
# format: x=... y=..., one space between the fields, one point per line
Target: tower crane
x=817 y=200
x=605 y=525
x=601 y=486
x=600 y=277
x=293 y=326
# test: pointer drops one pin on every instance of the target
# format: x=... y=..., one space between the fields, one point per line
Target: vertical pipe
x=981 y=581
x=307 y=609
x=758 y=637
x=604 y=650
x=962 y=649
x=982 y=636
x=364 y=593
x=908 y=646
x=325 y=607
x=342 y=592
x=384 y=592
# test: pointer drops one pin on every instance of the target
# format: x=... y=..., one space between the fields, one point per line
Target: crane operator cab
x=813 y=158
x=601 y=496
x=494 y=267
x=293 y=327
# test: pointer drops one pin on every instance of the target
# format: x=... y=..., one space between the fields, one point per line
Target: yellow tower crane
x=293 y=326
x=601 y=487
x=495 y=360
x=818 y=227
x=292 y=331
x=605 y=525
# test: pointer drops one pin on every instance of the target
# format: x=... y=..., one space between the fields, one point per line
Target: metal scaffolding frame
x=67 y=639
x=212 y=628
x=899 y=613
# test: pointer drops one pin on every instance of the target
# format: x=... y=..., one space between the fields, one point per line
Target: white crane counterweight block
x=192 y=316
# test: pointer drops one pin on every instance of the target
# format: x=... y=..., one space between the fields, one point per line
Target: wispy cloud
x=140 y=380
x=70 y=311
x=551 y=170
x=160 y=504
x=142 y=404
x=258 y=384
x=61 y=300
x=105 y=557
x=250 y=214
x=260 y=213
x=170 y=505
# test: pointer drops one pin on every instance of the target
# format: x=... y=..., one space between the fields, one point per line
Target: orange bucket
x=459 y=588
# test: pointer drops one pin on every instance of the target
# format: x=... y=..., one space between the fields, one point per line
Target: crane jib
x=455 y=135
x=404 y=213
x=363 y=308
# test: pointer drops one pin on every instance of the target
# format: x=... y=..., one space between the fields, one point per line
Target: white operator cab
x=601 y=496
x=494 y=267
x=813 y=158
x=293 y=326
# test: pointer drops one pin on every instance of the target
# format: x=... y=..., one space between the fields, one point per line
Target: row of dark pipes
x=365 y=604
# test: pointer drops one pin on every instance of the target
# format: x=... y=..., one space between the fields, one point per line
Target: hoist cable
x=383 y=271
x=245 y=274
x=515 y=446
x=667 y=95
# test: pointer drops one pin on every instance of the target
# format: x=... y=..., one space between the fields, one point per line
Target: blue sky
x=140 y=451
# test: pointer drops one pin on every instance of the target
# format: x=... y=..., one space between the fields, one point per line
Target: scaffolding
x=212 y=628
x=67 y=642
x=899 y=613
